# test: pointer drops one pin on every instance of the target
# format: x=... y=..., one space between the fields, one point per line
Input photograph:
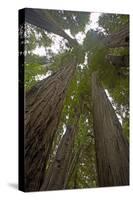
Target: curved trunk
x=44 y=103
x=112 y=150
x=42 y=18
x=58 y=171
x=118 y=39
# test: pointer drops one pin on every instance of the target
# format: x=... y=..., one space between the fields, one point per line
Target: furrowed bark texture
x=72 y=167
x=118 y=39
x=42 y=19
x=57 y=172
x=112 y=150
x=44 y=103
x=118 y=61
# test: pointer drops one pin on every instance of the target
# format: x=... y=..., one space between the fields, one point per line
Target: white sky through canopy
x=59 y=43
x=57 y=40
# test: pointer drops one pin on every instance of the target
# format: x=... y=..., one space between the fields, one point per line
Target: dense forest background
x=77 y=99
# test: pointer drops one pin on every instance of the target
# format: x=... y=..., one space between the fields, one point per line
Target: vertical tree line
x=44 y=104
x=57 y=173
x=111 y=146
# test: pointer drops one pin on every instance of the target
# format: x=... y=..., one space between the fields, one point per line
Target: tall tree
x=44 y=103
x=58 y=171
x=73 y=167
x=46 y=108
x=112 y=151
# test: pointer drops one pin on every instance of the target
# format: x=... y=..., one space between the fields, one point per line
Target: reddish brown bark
x=112 y=151
x=58 y=171
x=44 y=103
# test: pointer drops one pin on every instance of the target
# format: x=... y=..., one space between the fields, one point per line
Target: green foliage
x=31 y=73
x=78 y=105
x=113 y=22
x=35 y=65
x=77 y=108
x=121 y=51
x=92 y=41
x=35 y=37
x=36 y=59
x=69 y=56
x=75 y=21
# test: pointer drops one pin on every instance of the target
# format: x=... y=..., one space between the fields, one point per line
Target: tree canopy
x=92 y=55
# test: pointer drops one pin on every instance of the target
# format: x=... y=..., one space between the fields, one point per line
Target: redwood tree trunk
x=112 y=150
x=118 y=39
x=118 y=61
x=58 y=171
x=44 y=103
x=72 y=167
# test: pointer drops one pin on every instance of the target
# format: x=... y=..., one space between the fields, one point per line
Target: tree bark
x=118 y=61
x=73 y=166
x=44 y=103
x=112 y=150
x=118 y=39
x=42 y=19
x=57 y=172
